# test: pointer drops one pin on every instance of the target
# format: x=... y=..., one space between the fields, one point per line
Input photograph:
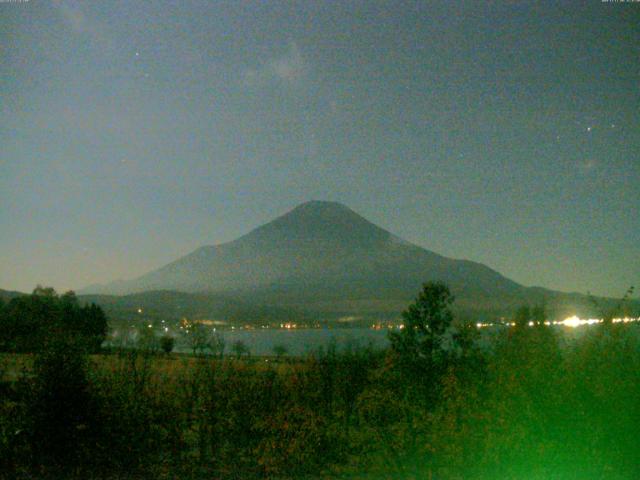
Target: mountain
x=322 y=256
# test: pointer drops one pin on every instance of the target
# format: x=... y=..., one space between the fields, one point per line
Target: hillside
x=173 y=306
x=7 y=295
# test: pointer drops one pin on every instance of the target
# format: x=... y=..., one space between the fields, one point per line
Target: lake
x=262 y=341
x=299 y=341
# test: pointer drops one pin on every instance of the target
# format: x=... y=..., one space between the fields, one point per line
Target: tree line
x=29 y=322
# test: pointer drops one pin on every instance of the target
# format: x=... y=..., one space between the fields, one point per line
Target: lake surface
x=302 y=341
x=299 y=341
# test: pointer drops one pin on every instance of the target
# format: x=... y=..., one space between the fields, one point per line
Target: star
x=589 y=129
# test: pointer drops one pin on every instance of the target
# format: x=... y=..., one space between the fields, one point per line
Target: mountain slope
x=319 y=251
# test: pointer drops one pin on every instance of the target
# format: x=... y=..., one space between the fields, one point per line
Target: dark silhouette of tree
x=522 y=316
x=60 y=405
x=617 y=309
x=28 y=322
x=280 y=351
x=240 y=348
x=425 y=346
x=217 y=345
x=94 y=326
x=4 y=324
x=539 y=315
x=44 y=291
x=167 y=343
x=147 y=340
x=425 y=322
x=198 y=339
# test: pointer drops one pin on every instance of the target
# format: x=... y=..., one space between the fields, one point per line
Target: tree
x=217 y=345
x=522 y=316
x=41 y=291
x=94 y=325
x=30 y=321
x=425 y=323
x=539 y=315
x=4 y=326
x=280 y=351
x=147 y=340
x=59 y=406
x=240 y=348
x=198 y=339
x=618 y=308
x=167 y=343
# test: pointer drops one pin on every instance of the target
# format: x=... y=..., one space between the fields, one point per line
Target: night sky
x=133 y=132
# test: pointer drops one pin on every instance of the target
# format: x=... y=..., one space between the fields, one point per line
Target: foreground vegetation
x=435 y=405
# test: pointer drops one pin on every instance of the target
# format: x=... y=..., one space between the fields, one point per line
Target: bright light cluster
x=574 y=321
x=571 y=322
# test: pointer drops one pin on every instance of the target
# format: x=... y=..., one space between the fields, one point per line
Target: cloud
x=290 y=68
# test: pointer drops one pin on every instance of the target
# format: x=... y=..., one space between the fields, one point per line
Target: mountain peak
x=320 y=220
x=322 y=205
x=324 y=212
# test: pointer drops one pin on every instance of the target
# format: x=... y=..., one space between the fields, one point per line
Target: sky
x=133 y=132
